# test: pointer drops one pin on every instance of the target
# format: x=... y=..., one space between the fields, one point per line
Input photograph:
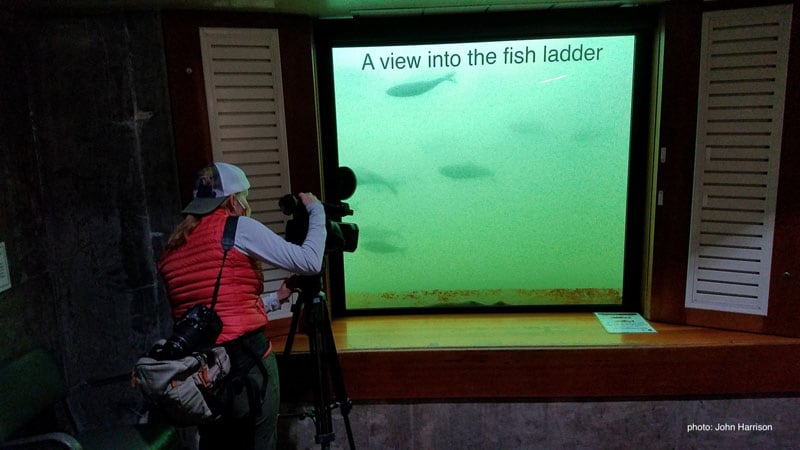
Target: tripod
x=317 y=327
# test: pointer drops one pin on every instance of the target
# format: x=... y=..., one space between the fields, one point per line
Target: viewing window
x=501 y=171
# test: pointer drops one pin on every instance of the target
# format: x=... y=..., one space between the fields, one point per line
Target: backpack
x=184 y=389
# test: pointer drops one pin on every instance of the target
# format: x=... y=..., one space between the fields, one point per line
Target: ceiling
x=323 y=8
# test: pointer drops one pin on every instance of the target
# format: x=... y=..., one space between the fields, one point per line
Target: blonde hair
x=182 y=231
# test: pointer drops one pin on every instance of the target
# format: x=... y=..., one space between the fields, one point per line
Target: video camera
x=342 y=237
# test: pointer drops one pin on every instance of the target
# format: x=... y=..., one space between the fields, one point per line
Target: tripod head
x=305 y=284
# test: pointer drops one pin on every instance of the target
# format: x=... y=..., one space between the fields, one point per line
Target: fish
x=368 y=177
x=382 y=240
x=465 y=171
x=417 y=87
x=381 y=247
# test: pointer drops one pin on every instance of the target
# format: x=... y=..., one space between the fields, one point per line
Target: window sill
x=541 y=356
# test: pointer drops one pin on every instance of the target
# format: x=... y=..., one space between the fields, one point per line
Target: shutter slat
x=730 y=289
x=246 y=158
x=739 y=165
x=724 y=302
x=746 y=45
x=751 y=267
x=729 y=277
x=740 y=126
x=249 y=132
x=240 y=52
x=735 y=179
x=251 y=145
x=729 y=216
x=220 y=67
x=751 y=230
x=244 y=79
x=246 y=106
x=734 y=253
x=744 y=101
x=740 y=120
x=737 y=192
x=708 y=239
x=735 y=203
x=742 y=88
x=240 y=119
x=245 y=93
x=740 y=113
x=743 y=60
x=729 y=153
x=739 y=140
x=743 y=73
x=745 y=30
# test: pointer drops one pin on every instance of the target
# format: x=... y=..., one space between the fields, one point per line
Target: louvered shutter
x=241 y=68
x=740 y=120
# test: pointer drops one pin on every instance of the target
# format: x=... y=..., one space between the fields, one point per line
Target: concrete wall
x=604 y=425
x=88 y=190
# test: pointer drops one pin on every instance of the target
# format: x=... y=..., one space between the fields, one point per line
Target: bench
x=32 y=384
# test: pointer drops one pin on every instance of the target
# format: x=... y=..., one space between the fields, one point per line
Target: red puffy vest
x=190 y=272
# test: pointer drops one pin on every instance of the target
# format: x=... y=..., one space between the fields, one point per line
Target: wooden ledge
x=541 y=356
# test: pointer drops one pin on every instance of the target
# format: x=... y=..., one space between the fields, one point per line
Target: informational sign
x=5 y=276
x=624 y=322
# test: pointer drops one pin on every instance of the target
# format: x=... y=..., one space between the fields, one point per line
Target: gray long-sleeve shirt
x=257 y=241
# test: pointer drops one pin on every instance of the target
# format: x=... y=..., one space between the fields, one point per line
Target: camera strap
x=228 y=239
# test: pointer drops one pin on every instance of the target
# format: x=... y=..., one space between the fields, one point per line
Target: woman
x=190 y=266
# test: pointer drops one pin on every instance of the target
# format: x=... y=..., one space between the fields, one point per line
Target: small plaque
x=624 y=322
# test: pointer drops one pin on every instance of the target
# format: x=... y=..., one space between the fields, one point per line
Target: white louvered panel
x=244 y=94
x=740 y=120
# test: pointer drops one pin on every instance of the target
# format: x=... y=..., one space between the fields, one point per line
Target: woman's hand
x=308 y=198
x=283 y=292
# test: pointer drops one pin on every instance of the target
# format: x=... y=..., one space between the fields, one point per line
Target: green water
x=504 y=185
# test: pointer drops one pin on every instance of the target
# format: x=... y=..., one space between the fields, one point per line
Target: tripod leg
x=296 y=310
x=316 y=340
x=335 y=373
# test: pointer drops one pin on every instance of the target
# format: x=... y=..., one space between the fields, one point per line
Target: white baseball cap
x=213 y=184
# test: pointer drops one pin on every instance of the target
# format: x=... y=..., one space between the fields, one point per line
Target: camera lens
x=288 y=204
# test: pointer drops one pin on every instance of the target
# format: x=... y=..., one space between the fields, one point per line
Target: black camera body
x=197 y=329
x=342 y=237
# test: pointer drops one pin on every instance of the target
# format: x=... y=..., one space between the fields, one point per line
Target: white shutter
x=740 y=120
x=242 y=73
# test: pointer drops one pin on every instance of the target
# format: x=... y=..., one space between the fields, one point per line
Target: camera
x=197 y=329
x=342 y=237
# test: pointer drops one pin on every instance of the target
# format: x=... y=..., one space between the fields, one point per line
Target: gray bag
x=184 y=389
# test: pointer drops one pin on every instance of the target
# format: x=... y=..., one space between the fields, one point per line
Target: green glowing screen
x=489 y=173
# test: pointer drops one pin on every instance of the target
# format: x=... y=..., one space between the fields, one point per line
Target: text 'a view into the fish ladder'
x=475 y=57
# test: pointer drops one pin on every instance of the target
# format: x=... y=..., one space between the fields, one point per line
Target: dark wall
x=88 y=189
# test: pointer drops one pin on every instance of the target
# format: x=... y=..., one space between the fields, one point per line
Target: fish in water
x=382 y=240
x=381 y=247
x=368 y=177
x=417 y=87
x=465 y=171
